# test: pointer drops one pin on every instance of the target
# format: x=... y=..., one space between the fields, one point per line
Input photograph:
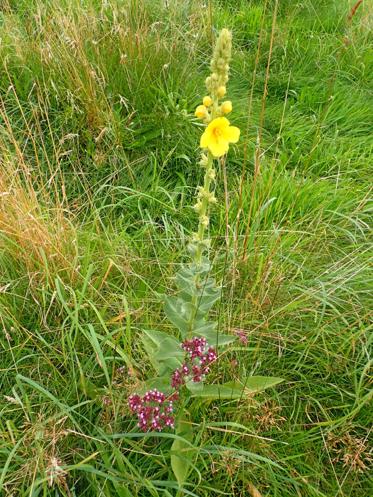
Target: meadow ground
x=99 y=165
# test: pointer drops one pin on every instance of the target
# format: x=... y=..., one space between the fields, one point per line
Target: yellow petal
x=218 y=147
x=232 y=134
x=220 y=122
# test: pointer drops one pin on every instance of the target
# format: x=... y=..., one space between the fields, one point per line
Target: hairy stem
x=204 y=212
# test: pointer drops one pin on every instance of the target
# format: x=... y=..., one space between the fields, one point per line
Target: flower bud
x=197 y=207
x=221 y=91
x=204 y=160
x=207 y=101
x=212 y=174
x=201 y=112
x=204 y=221
x=226 y=107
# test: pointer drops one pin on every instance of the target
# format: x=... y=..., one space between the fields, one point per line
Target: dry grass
x=41 y=239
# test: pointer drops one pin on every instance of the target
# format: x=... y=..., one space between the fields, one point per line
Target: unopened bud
x=204 y=220
x=212 y=174
x=207 y=101
x=204 y=160
x=201 y=112
x=226 y=107
x=197 y=207
x=221 y=91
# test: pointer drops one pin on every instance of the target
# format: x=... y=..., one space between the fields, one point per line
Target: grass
x=98 y=172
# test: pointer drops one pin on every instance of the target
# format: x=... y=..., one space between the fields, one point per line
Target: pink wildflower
x=153 y=409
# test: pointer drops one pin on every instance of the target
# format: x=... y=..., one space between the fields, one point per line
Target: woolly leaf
x=236 y=390
x=175 y=310
x=207 y=297
x=213 y=392
x=194 y=387
x=161 y=383
x=253 y=384
x=181 y=450
x=164 y=351
x=204 y=328
x=151 y=348
x=206 y=294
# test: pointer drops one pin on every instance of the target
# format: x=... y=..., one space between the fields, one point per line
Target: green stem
x=204 y=212
x=197 y=258
x=204 y=215
x=206 y=186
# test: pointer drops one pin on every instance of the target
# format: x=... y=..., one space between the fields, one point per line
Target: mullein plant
x=183 y=364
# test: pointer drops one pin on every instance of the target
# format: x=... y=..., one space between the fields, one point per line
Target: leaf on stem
x=181 y=450
x=236 y=390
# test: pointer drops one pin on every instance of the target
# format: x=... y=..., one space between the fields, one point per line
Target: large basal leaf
x=186 y=283
x=161 y=383
x=194 y=387
x=150 y=349
x=167 y=367
x=168 y=345
x=164 y=351
x=204 y=328
x=176 y=311
x=253 y=384
x=236 y=390
x=207 y=300
x=181 y=450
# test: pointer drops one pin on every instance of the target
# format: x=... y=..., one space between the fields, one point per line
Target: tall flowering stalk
x=182 y=364
x=217 y=136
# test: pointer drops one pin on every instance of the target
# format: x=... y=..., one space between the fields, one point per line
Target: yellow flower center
x=217 y=132
x=218 y=135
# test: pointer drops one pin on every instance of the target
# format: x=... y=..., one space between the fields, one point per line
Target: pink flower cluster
x=199 y=356
x=242 y=336
x=153 y=410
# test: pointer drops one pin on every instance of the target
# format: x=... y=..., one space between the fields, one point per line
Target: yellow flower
x=221 y=91
x=218 y=135
x=226 y=107
x=201 y=111
x=207 y=101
